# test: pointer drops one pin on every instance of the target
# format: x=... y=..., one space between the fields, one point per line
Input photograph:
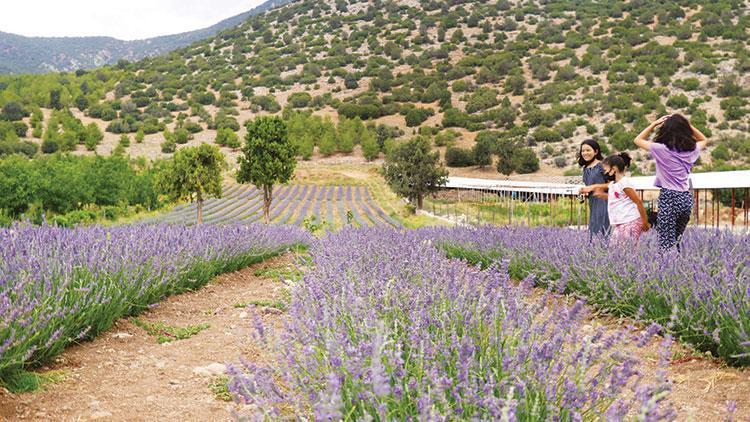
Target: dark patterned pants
x=673 y=217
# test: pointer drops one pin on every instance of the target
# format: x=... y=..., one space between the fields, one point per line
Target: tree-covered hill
x=19 y=54
x=500 y=77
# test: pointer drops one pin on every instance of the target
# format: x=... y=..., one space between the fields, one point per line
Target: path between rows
x=125 y=374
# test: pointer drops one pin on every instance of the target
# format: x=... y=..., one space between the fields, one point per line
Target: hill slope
x=20 y=54
x=544 y=74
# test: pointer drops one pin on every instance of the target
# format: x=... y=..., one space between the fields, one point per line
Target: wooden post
x=697 y=207
x=570 y=219
x=732 y=207
x=705 y=208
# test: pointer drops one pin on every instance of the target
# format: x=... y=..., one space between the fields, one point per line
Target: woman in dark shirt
x=589 y=157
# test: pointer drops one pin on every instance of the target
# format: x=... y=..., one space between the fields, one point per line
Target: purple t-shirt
x=673 y=167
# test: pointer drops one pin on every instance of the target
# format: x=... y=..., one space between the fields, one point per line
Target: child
x=626 y=212
x=676 y=147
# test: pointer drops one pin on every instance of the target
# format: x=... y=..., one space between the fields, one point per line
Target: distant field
x=292 y=204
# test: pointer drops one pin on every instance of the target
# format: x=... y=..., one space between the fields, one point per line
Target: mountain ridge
x=31 y=54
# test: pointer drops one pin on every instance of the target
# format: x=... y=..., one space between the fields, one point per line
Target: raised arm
x=700 y=138
x=641 y=140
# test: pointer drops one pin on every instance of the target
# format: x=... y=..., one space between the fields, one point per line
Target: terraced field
x=292 y=204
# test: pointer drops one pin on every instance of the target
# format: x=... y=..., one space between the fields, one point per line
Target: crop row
x=292 y=204
x=58 y=285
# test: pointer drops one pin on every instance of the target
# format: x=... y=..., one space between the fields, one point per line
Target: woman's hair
x=621 y=161
x=595 y=146
x=676 y=134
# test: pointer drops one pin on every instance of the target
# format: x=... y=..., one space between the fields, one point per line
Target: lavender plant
x=703 y=293
x=398 y=331
x=58 y=285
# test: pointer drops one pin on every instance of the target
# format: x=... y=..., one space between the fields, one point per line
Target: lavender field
x=60 y=285
x=292 y=204
x=401 y=332
x=429 y=324
x=702 y=294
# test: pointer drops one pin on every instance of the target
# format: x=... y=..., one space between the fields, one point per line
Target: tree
x=13 y=111
x=81 y=102
x=93 y=135
x=413 y=171
x=19 y=184
x=267 y=158
x=194 y=173
x=370 y=147
x=482 y=151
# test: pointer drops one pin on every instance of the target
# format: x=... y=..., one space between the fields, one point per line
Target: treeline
x=69 y=189
x=508 y=147
x=308 y=131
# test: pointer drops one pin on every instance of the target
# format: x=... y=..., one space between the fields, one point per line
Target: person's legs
x=666 y=220
x=685 y=203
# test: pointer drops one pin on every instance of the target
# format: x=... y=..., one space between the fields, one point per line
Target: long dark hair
x=676 y=134
x=621 y=161
x=595 y=146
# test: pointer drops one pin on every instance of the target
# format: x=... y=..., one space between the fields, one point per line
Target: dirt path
x=124 y=374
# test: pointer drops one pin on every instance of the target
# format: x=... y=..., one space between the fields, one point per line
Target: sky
x=123 y=19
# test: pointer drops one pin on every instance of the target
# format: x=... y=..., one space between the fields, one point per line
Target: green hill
x=548 y=74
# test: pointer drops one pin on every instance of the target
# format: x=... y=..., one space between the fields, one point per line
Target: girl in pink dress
x=627 y=216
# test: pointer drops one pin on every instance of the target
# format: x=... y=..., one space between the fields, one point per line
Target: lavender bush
x=398 y=331
x=703 y=293
x=58 y=285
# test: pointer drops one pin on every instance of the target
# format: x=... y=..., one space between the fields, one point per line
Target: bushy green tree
x=412 y=170
x=370 y=147
x=194 y=174
x=268 y=157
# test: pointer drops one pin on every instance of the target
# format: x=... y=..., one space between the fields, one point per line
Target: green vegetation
x=69 y=190
x=268 y=158
x=554 y=68
x=165 y=333
x=413 y=171
x=194 y=174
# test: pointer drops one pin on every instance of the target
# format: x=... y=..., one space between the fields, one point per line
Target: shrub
x=228 y=138
x=547 y=135
x=300 y=99
x=50 y=146
x=415 y=116
x=459 y=157
x=168 y=146
x=678 y=101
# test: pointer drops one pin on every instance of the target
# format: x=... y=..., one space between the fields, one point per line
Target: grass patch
x=25 y=381
x=165 y=333
x=279 y=272
x=219 y=386
x=267 y=303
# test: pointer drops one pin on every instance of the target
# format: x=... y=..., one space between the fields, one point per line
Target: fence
x=720 y=200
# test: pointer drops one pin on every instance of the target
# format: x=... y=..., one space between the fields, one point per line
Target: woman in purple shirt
x=675 y=149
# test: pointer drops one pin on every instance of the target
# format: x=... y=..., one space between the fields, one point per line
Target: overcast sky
x=123 y=19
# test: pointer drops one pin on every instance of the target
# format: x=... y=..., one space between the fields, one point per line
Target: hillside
x=20 y=54
x=543 y=74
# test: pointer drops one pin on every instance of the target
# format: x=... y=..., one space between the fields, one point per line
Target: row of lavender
x=58 y=285
x=701 y=294
x=401 y=332
x=291 y=205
